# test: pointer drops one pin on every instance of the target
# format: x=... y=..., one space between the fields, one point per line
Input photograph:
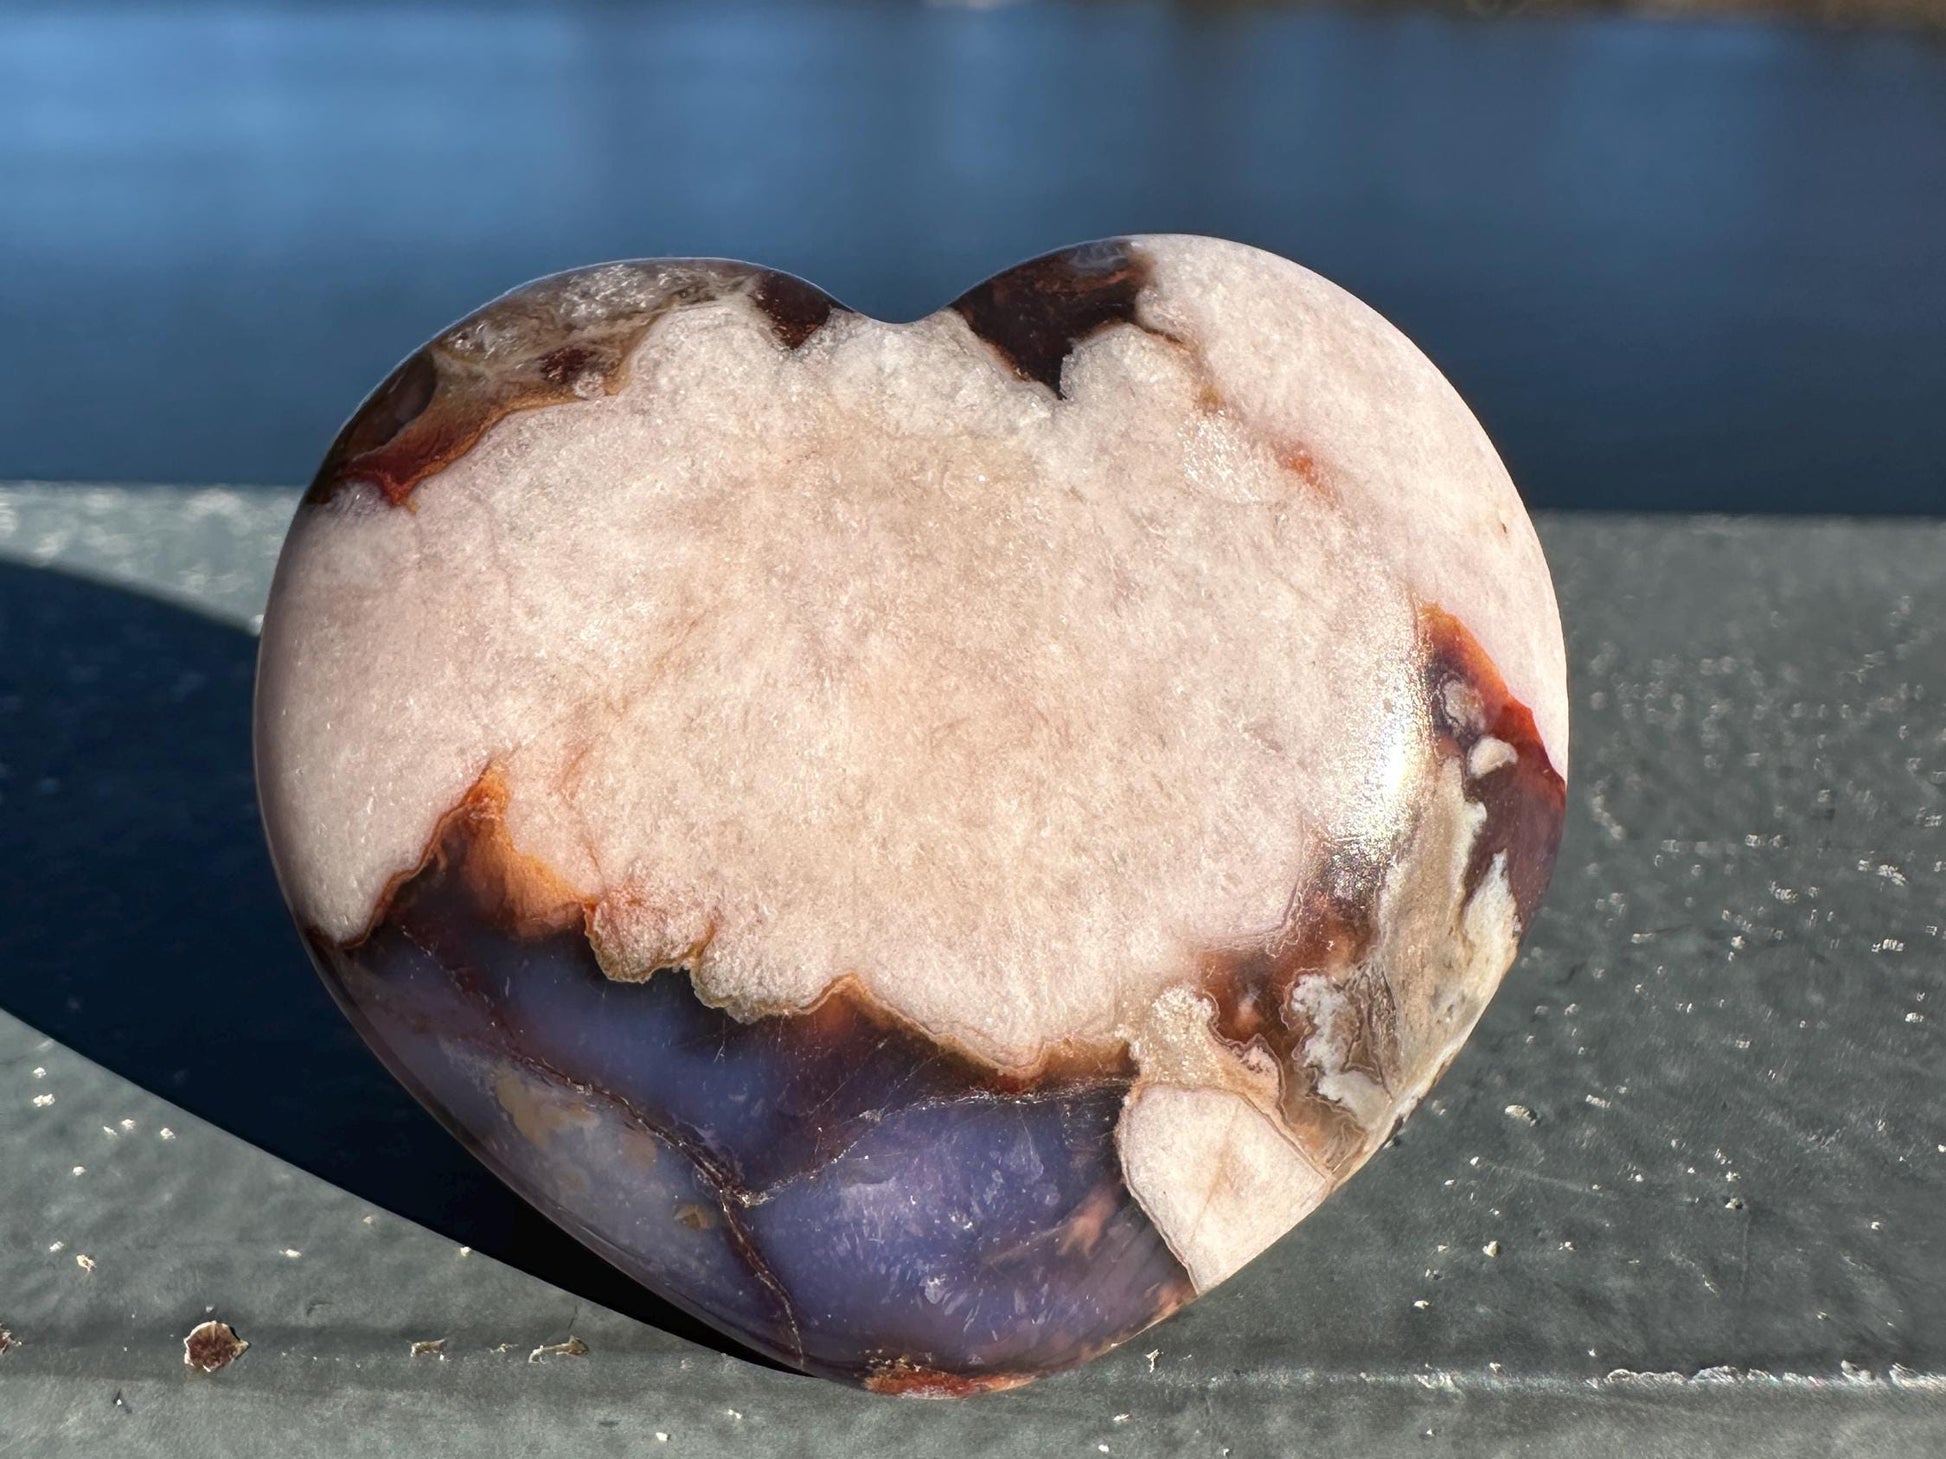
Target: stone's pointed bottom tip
x=925 y=845
x=902 y=1380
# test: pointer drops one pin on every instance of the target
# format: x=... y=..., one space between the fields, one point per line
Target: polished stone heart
x=928 y=845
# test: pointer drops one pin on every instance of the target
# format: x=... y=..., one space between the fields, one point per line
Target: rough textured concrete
x=1704 y=1121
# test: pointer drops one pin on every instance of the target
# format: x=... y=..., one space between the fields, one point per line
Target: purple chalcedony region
x=839 y=1192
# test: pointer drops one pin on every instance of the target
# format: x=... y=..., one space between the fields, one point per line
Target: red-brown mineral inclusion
x=929 y=845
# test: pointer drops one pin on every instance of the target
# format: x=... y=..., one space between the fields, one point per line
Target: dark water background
x=1674 y=265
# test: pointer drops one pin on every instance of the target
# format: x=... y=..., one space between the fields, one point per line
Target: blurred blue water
x=1674 y=265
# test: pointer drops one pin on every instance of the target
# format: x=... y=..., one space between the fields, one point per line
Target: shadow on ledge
x=142 y=925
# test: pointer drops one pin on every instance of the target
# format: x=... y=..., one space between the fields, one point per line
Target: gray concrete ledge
x=1720 y=1232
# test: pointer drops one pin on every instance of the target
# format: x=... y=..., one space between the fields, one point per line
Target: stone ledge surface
x=1679 y=1195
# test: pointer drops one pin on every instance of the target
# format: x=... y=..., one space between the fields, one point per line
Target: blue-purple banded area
x=832 y=1188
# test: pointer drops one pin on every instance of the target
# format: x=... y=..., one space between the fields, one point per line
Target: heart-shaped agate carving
x=928 y=845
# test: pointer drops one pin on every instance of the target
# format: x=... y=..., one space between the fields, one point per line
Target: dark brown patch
x=400 y=400
x=796 y=310
x=568 y=364
x=6 y=1340
x=1036 y=313
x=212 y=1346
x=550 y=342
x=1525 y=801
x=514 y=892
